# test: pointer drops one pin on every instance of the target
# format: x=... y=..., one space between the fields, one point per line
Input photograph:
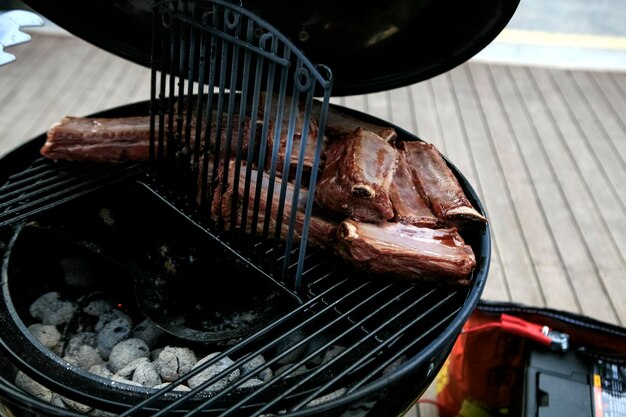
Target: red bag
x=483 y=375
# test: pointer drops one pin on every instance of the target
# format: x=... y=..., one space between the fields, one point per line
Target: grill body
x=418 y=322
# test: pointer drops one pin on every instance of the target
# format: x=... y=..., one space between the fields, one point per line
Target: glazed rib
x=356 y=177
x=98 y=139
x=406 y=251
x=408 y=204
x=120 y=138
x=321 y=231
x=438 y=184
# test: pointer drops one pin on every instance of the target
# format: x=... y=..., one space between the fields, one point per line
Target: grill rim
x=446 y=337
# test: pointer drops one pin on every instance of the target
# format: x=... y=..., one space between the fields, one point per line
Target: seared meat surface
x=98 y=139
x=120 y=138
x=408 y=204
x=357 y=176
x=437 y=183
x=406 y=251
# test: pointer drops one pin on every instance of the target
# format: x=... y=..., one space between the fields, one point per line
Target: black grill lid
x=370 y=46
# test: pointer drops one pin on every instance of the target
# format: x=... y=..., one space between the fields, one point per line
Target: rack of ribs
x=386 y=205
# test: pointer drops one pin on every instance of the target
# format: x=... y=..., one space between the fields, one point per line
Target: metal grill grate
x=46 y=184
x=232 y=109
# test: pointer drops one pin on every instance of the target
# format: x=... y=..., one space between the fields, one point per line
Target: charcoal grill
x=397 y=334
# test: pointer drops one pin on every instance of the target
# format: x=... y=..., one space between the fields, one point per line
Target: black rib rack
x=232 y=112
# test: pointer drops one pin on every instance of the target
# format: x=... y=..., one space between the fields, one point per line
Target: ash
x=104 y=340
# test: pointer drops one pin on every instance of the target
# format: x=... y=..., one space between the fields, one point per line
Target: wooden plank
x=606 y=118
x=378 y=105
x=507 y=125
x=80 y=90
x=403 y=109
x=557 y=135
x=426 y=122
x=604 y=174
x=481 y=117
x=26 y=110
x=614 y=96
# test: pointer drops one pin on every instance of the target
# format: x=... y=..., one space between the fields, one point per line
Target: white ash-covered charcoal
x=321 y=230
x=407 y=251
x=174 y=362
x=84 y=356
x=107 y=317
x=178 y=387
x=101 y=413
x=357 y=176
x=213 y=370
x=289 y=349
x=123 y=380
x=146 y=374
x=47 y=334
x=278 y=136
x=340 y=124
x=112 y=334
x=127 y=351
x=332 y=352
x=101 y=370
x=253 y=364
x=438 y=184
x=317 y=345
x=409 y=205
x=252 y=382
x=76 y=406
x=99 y=307
x=33 y=387
x=79 y=339
x=57 y=401
x=290 y=371
x=327 y=397
x=394 y=365
x=128 y=370
x=141 y=371
x=52 y=308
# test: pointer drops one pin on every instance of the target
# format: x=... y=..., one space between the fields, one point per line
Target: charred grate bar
x=232 y=109
x=46 y=184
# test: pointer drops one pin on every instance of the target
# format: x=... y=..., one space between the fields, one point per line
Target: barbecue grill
x=212 y=60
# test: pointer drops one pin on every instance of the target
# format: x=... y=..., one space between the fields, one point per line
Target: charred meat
x=357 y=176
x=408 y=204
x=406 y=251
x=438 y=184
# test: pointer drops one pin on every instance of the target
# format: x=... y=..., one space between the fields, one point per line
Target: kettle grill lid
x=369 y=46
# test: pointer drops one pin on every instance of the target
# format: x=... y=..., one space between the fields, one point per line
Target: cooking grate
x=232 y=106
x=44 y=185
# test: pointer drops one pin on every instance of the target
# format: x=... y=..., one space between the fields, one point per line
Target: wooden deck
x=545 y=150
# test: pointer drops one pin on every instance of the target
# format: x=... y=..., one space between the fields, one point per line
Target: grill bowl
x=386 y=395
